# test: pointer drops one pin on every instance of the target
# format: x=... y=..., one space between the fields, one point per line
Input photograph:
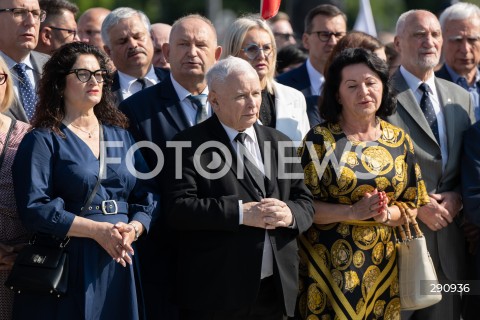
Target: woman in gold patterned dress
x=360 y=169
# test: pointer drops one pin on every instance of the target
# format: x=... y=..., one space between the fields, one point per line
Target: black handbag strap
x=100 y=172
x=5 y=146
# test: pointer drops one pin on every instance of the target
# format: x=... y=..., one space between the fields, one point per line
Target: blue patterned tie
x=428 y=110
x=25 y=90
x=201 y=102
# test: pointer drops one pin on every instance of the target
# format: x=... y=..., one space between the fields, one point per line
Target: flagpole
x=214 y=7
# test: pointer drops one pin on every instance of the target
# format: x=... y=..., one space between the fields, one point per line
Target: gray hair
x=226 y=67
x=459 y=11
x=401 y=21
x=118 y=14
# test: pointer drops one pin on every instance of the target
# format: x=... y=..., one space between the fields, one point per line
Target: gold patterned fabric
x=348 y=270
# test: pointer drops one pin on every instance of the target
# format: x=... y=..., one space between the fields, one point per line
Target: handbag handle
x=410 y=220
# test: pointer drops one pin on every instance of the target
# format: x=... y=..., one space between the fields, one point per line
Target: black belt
x=107 y=207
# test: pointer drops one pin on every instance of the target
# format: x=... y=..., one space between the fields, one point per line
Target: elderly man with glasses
x=20 y=24
x=59 y=27
x=324 y=26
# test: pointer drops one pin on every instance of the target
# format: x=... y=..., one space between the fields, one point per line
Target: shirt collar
x=455 y=76
x=232 y=133
x=127 y=80
x=11 y=63
x=183 y=93
x=413 y=82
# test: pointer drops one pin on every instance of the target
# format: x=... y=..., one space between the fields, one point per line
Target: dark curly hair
x=50 y=109
x=330 y=109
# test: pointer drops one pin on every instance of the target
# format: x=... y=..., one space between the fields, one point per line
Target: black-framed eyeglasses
x=71 y=32
x=22 y=13
x=84 y=75
x=253 y=50
x=325 y=36
x=3 y=78
x=284 y=36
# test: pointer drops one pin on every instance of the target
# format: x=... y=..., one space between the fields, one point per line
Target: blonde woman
x=282 y=108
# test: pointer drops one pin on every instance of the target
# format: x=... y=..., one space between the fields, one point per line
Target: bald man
x=90 y=24
x=160 y=34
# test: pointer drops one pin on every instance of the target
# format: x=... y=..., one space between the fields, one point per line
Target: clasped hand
x=117 y=241
x=269 y=213
x=372 y=205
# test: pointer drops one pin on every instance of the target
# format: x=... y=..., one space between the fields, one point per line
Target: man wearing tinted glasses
x=59 y=26
x=324 y=26
x=19 y=25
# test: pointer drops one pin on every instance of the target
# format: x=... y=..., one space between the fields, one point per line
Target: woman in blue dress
x=57 y=167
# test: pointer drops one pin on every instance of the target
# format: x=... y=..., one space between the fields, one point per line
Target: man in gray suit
x=436 y=113
x=20 y=23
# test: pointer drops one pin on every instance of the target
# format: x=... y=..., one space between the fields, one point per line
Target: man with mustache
x=126 y=34
x=20 y=25
x=435 y=112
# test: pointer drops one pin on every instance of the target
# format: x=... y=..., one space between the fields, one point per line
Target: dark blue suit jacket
x=298 y=78
x=162 y=74
x=443 y=73
x=156 y=115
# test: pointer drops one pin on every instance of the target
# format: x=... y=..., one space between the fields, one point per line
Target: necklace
x=90 y=133
x=377 y=133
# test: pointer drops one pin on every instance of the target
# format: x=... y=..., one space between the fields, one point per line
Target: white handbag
x=414 y=266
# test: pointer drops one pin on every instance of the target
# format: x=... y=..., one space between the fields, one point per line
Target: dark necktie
x=25 y=90
x=142 y=82
x=427 y=108
x=253 y=172
x=201 y=102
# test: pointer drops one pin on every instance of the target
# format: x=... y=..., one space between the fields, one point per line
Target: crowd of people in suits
x=320 y=159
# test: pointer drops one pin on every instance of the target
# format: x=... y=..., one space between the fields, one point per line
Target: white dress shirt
x=29 y=69
x=188 y=107
x=316 y=79
x=129 y=85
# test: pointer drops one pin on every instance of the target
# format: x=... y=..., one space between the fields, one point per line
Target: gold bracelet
x=137 y=230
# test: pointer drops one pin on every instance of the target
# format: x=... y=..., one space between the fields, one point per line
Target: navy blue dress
x=53 y=177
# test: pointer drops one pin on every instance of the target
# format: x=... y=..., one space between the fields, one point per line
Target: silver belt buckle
x=108 y=205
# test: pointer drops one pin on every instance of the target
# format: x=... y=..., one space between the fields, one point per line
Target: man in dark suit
x=156 y=114
x=238 y=219
x=324 y=26
x=436 y=113
x=18 y=38
x=126 y=34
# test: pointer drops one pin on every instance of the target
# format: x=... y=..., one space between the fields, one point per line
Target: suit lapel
x=406 y=98
x=173 y=105
x=221 y=136
x=269 y=158
x=448 y=113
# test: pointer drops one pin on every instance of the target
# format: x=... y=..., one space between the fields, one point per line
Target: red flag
x=269 y=8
